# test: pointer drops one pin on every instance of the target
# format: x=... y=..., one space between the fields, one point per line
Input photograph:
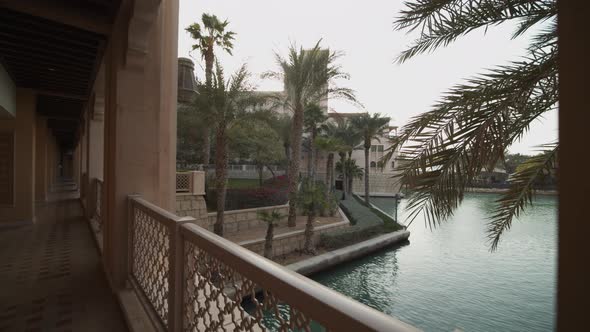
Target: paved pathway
x=51 y=278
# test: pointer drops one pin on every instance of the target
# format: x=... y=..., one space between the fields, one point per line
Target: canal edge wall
x=339 y=256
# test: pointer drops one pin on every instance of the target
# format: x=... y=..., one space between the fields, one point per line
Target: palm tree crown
x=309 y=78
x=211 y=34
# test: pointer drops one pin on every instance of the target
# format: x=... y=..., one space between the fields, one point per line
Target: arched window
x=373 y=164
x=392 y=164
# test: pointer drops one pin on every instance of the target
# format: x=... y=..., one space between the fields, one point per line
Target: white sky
x=363 y=31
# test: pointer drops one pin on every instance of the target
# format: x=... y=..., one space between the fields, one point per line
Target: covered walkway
x=51 y=275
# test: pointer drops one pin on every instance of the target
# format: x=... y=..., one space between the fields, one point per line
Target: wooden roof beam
x=62 y=14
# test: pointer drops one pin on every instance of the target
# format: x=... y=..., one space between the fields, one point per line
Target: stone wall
x=287 y=243
x=239 y=220
x=192 y=205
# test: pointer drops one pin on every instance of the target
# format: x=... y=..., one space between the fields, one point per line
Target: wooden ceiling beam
x=45 y=62
x=62 y=95
x=67 y=15
x=14 y=44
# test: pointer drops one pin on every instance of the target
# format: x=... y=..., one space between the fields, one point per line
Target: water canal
x=447 y=279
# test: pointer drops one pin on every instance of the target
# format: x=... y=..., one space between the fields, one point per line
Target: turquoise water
x=446 y=278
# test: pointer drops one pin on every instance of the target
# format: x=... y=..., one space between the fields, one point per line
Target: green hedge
x=367 y=222
x=389 y=222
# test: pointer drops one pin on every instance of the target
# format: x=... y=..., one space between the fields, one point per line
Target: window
x=373 y=148
x=379 y=148
x=392 y=164
x=373 y=164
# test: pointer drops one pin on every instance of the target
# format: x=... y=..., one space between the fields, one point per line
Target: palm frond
x=442 y=22
x=520 y=193
x=469 y=130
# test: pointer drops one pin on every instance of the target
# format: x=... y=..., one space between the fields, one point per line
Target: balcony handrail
x=177 y=267
x=326 y=306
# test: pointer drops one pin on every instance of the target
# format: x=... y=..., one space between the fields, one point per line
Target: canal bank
x=336 y=257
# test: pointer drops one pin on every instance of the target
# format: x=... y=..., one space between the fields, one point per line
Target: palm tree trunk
x=329 y=175
x=220 y=176
x=327 y=180
x=312 y=154
x=206 y=148
x=297 y=130
x=287 y=158
x=344 y=180
x=308 y=247
x=268 y=240
x=209 y=59
x=309 y=162
x=367 y=175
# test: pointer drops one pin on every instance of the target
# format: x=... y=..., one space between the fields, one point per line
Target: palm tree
x=308 y=77
x=310 y=198
x=351 y=170
x=271 y=218
x=211 y=34
x=343 y=132
x=232 y=101
x=329 y=144
x=370 y=128
x=472 y=126
x=313 y=117
x=282 y=125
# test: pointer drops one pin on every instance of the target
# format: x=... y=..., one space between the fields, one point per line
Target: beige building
x=381 y=174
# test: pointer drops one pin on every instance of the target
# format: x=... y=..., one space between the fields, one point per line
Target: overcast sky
x=363 y=31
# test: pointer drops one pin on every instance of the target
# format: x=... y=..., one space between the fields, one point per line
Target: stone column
x=140 y=121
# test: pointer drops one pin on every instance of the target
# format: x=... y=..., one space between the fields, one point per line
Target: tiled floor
x=51 y=278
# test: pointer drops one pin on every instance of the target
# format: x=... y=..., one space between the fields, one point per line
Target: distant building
x=381 y=172
x=187 y=83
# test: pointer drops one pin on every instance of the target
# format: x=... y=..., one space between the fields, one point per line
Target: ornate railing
x=194 y=280
x=192 y=182
x=183 y=182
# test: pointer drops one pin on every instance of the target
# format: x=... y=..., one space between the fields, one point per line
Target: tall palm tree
x=282 y=125
x=444 y=149
x=313 y=117
x=211 y=34
x=308 y=77
x=352 y=171
x=370 y=128
x=330 y=145
x=232 y=101
x=341 y=130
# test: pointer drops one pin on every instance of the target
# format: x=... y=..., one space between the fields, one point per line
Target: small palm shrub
x=271 y=218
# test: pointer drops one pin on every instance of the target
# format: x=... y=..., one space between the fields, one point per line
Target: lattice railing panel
x=150 y=264
x=183 y=182
x=218 y=298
